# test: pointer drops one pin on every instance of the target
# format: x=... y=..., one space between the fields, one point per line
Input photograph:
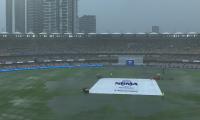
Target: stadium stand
x=159 y=49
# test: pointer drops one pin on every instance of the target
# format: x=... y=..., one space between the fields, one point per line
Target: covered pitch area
x=127 y=86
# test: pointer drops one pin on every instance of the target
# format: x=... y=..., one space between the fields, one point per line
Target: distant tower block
x=15 y=16
x=87 y=24
x=155 y=29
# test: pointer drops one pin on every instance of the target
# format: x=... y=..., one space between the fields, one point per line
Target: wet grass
x=55 y=95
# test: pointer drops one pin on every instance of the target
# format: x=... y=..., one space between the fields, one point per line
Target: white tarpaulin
x=126 y=86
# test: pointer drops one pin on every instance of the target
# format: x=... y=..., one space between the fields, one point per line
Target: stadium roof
x=178 y=33
x=153 y=33
x=116 y=33
x=4 y=33
x=80 y=33
x=126 y=86
x=17 y=33
x=141 y=33
x=166 y=33
x=104 y=33
x=92 y=33
x=192 y=33
x=68 y=33
x=55 y=33
x=43 y=33
x=30 y=33
x=129 y=33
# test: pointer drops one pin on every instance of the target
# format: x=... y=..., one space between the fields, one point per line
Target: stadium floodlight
x=126 y=86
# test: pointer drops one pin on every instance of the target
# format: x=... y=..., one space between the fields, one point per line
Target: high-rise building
x=156 y=29
x=15 y=16
x=2 y=12
x=87 y=24
x=75 y=18
x=34 y=14
x=9 y=16
x=60 y=16
x=20 y=16
x=50 y=16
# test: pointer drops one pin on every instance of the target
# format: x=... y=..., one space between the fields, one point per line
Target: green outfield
x=55 y=94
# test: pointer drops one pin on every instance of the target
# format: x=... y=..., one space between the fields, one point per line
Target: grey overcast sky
x=140 y=15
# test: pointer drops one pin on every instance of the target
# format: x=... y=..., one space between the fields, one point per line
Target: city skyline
x=139 y=15
x=58 y=16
